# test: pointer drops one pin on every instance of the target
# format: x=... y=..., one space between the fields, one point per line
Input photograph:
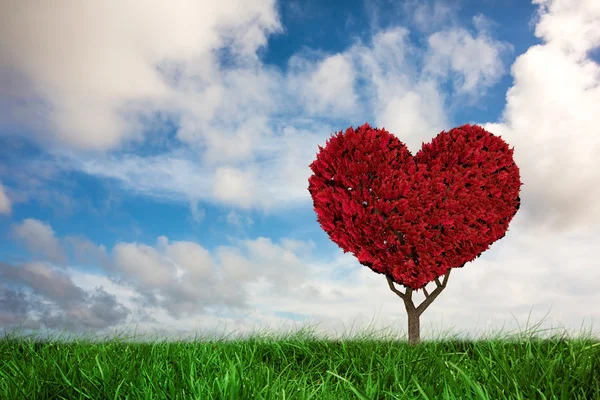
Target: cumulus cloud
x=429 y=16
x=219 y=106
x=409 y=108
x=234 y=186
x=267 y=167
x=403 y=99
x=236 y=219
x=86 y=252
x=551 y=121
x=248 y=147
x=5 y=203
x=408 y=101
x=477 y=61
x=180 y=277
x=325 y=87
x=197 y=213
x=14 y=307
x=175 y=282
x=89 y=82
x=39 y=239
x=75 y=308
x=277 y=181
x=569 y=25
x=49 y=282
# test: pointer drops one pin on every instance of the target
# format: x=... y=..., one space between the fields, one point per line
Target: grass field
x=301 y=366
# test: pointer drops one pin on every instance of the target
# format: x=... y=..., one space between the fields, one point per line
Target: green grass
x=301 y=366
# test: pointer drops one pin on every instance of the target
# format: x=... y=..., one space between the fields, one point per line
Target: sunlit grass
x=301 y=365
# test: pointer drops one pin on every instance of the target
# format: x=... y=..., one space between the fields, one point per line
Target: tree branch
x=391 y=283
x=423 y=306
x=429 y=298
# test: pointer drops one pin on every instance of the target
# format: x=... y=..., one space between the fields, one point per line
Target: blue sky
x=149 y=140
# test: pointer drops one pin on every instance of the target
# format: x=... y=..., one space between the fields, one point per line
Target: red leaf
x=436 y=210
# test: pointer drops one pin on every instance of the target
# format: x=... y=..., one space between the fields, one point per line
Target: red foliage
x=415 y=217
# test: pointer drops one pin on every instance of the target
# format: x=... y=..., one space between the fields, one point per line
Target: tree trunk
x=414 y=327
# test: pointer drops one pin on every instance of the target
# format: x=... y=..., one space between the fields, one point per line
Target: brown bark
x=414 y=313
x=414 y=326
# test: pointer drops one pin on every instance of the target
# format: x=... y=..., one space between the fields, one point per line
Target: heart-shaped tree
x=415 y=218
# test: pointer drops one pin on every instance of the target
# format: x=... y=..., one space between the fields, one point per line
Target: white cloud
x=38 y=276
x=93 y=78
x=182 y=277
x=268 y=169
x=86 y=252
x=412 y=110
x=39 y=239
x=429 y=16
x=277 y=178
x=159 y=176
x=5 y=203
x=571 y=26
x=277 y=181
x=551 y=120
x=325 y=88
x=143 y=264
x=193 y=259
x=234 y=186
x=476 y=61
x=249 y=140
x=197 y=214
x=55 y=302
x=235 y=218
x=298 y=246
x=179 y=283
x=249 y=149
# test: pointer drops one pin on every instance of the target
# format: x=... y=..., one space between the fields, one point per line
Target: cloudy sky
x=154 y=160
